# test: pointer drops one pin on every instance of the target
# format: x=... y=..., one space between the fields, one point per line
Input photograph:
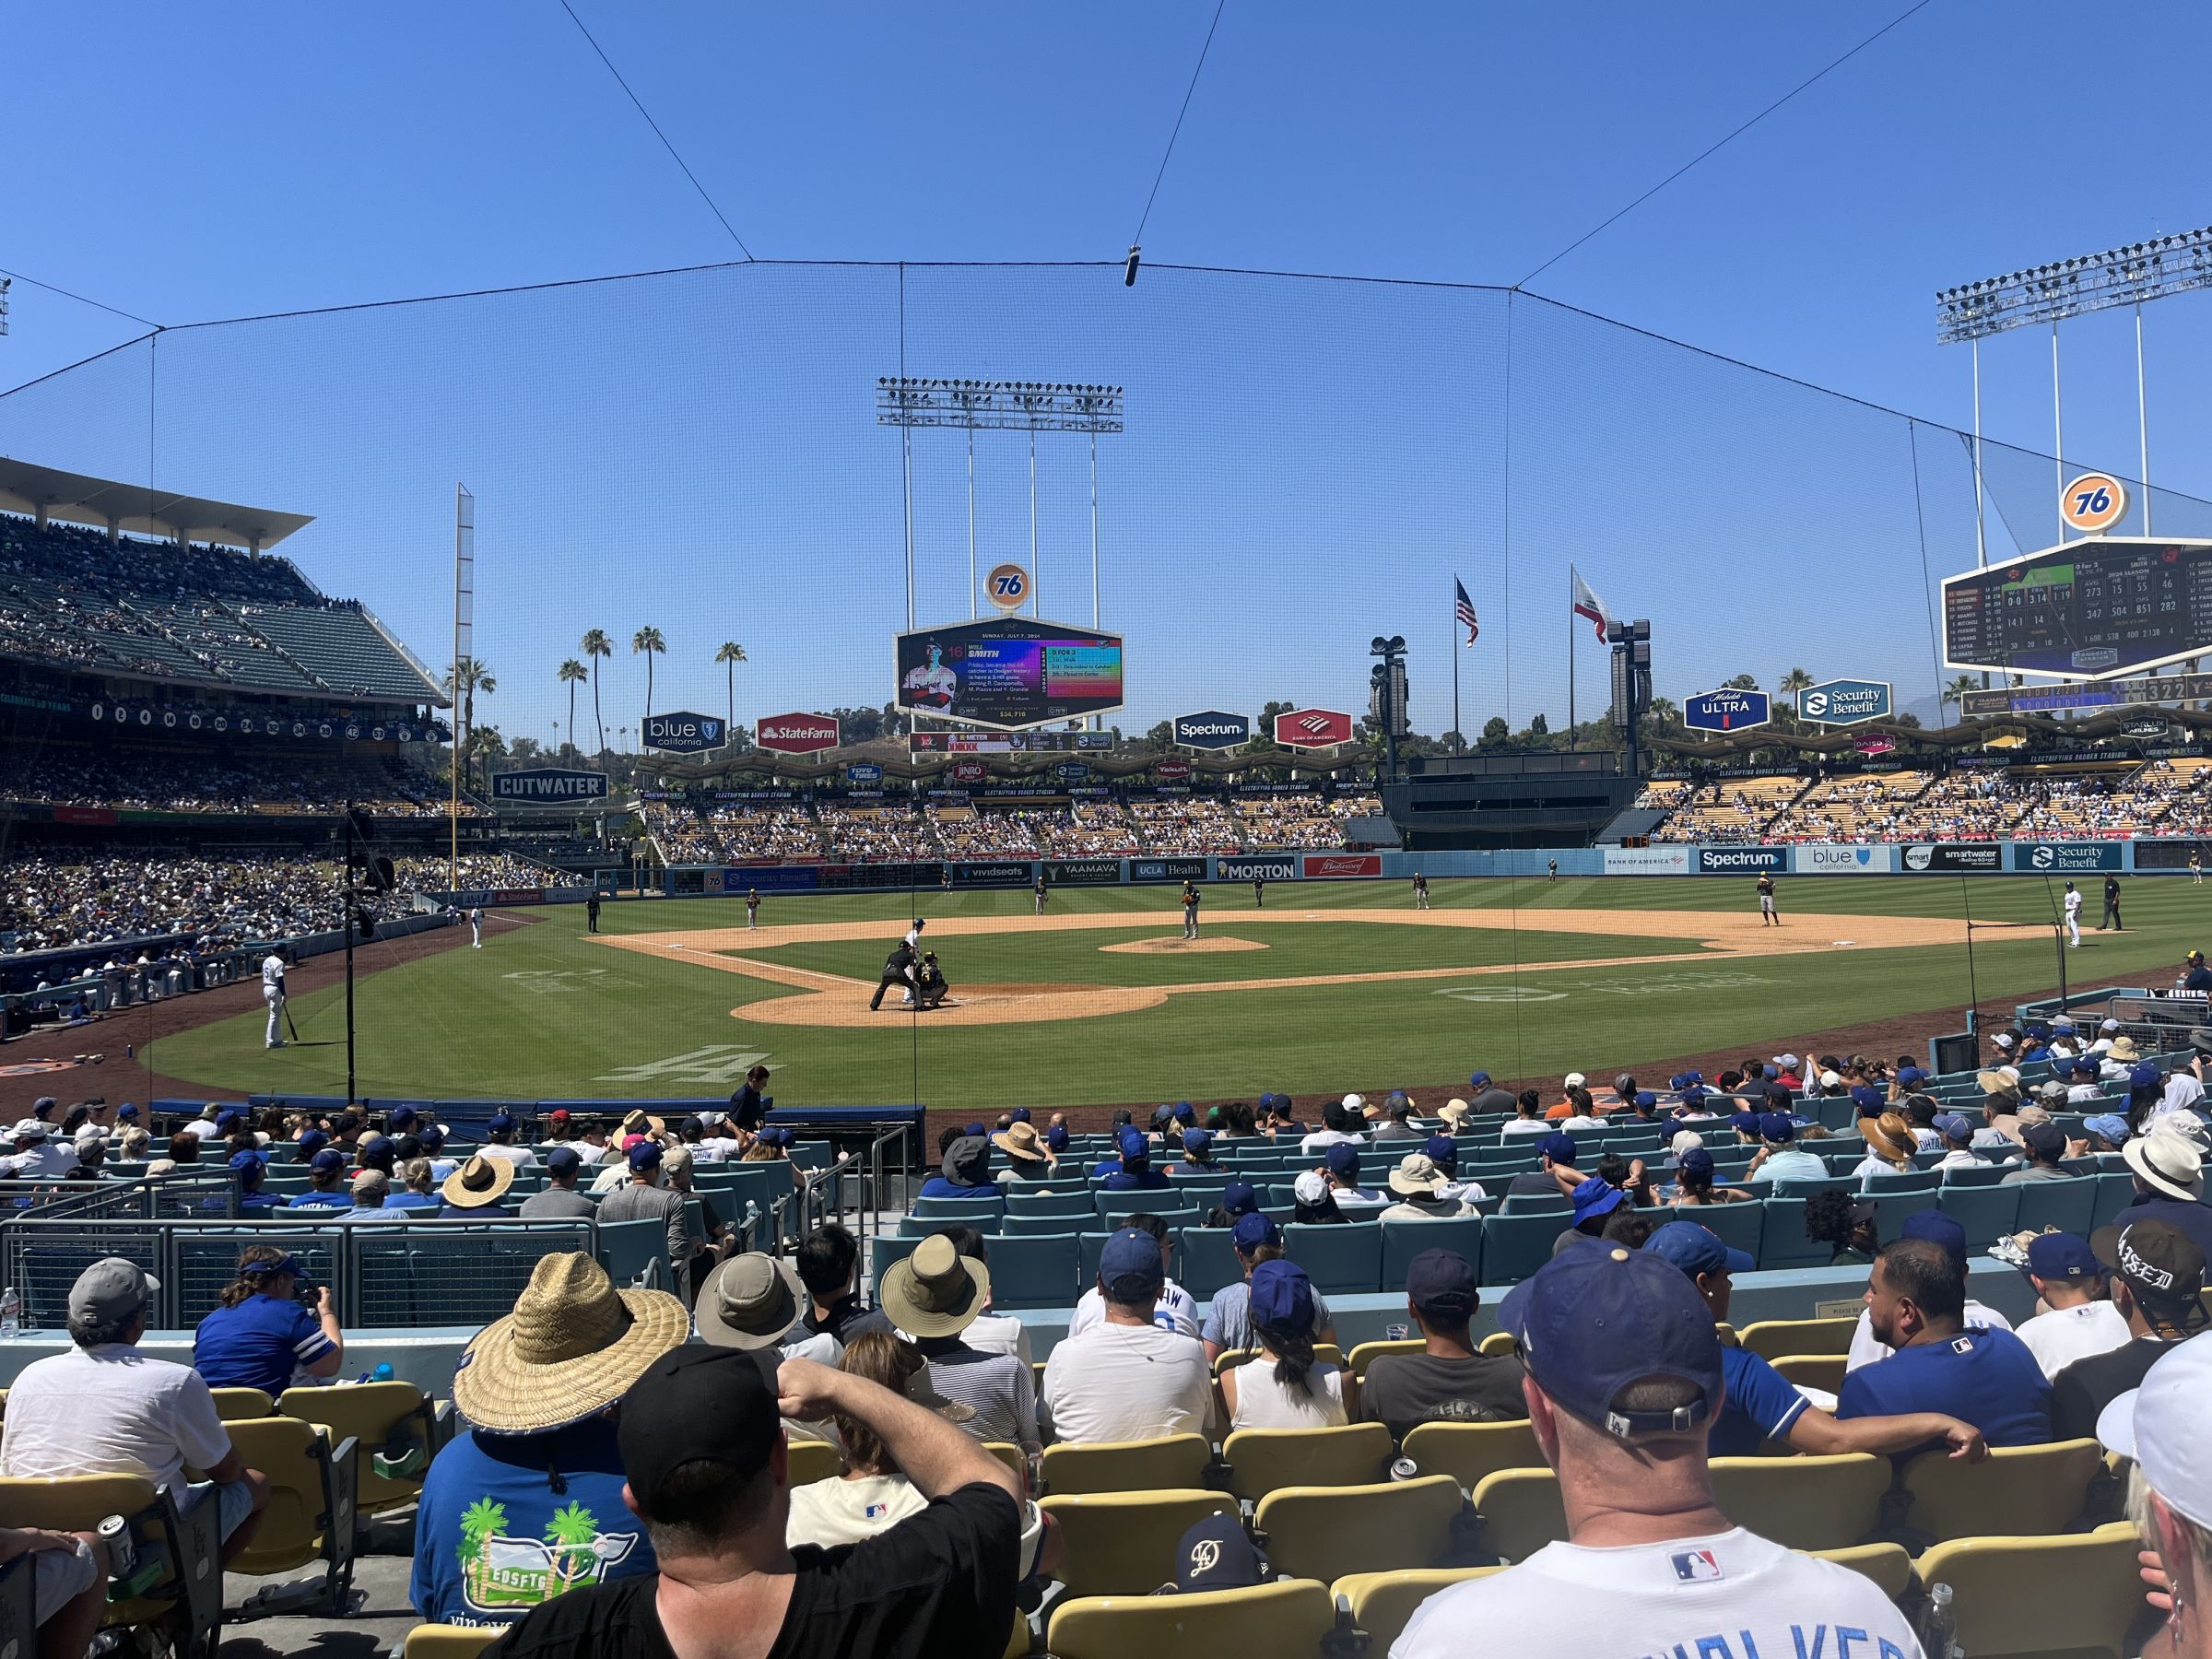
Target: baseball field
x=1101 y=1002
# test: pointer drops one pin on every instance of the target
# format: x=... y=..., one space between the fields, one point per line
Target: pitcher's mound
x=1175 y=945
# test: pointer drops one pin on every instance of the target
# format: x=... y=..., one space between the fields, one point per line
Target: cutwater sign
x=1213 y=730
x=1725 y=710
x=685 y=734
x=1844 y=702
x=547 y=786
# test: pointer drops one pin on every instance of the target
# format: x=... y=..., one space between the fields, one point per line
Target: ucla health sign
x=1844 y=702
x=1726 y=710
x=683 y=732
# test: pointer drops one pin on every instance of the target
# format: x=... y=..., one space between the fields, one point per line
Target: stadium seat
x=1533 y=1203
x=1902 y=1181
x=2098 y=1596
x=922 y=1227
x=1124 y=1543
x=1058 y=1203
x=1987 y=1213
x=240 y=1405
x=392 y=1424
x=1309 y=1530
x=1262 y=1460
x=1040 y=1227
x=1495 y=1343
x=1367 y=1353
x=1804 y=1502
x=2114 y=1193
x=1324 y=1353
x=187 y=1606
x=1341 y=1261
x=627 y=1249
x=1468 y=1451
x=883 y=1249
x=451 y=1642
x=1290 y=1618
x=1821 y=1372
x=1781 y=1242
x=1806 y=1188
x=813 y=1460
x=1887 y=1564
x=2015 y=1492
x=1382 y=1604
x=1520 y=1511
x=1739 y=1225
x=1402 y=1240
x=2060 y=1206
x=1209 y=1260
x=1980 y=1175
x=1773 y=1339
x=1513 y=1246
x=964 y=1209
x=1032 y=1272
x=1177 y=1461
x=1167 y=1203
x=311 y=1511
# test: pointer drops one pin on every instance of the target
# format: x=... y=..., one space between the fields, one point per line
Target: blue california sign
x=1725 y=710
x=683 y=733
x=1844 y=702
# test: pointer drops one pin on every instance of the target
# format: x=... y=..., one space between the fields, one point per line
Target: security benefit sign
x=549 y=786
x=683 y=733
x=1727 y=710
x=1844 y=702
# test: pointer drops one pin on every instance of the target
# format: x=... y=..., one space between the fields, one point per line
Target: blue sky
x=1307 y=464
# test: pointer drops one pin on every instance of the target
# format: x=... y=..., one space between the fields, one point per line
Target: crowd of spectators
x=229 y=781
x=1193 y=823
x=754 y=829
x=887 y=834
x=49 y=900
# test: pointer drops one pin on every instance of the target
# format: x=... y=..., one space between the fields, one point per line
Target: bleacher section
x=1731 y=809
x=347 y=655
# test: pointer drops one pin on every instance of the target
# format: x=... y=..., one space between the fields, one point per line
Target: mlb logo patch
x=1693 y=1565
x=876 y=1512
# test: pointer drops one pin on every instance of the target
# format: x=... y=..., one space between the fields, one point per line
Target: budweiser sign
x=796 y=733
x=1312 y=728
x=1337 y=866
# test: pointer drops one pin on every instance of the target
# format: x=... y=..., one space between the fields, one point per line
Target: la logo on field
x=717 y=1062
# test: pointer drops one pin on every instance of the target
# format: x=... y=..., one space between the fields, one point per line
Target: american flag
x=1462 y=608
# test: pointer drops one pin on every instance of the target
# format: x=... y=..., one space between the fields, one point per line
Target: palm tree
x=1956 y=692
x=732 y=653
x=1794 y=681
x=571 y=674
x=596 y=645
x=649 y=640
x=467 y=677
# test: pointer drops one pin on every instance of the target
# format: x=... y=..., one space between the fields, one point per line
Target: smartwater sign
x=1743 y=861
x=1954 y=858
x=1844 y=702
x=549 y=786
x=1825 y=858
x=1726 y=710
x=683 y=732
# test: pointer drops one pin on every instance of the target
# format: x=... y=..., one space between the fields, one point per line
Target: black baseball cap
x=2162 y=1266
x=1441 y=1284
x=1217 y=1554
x=695 y=1403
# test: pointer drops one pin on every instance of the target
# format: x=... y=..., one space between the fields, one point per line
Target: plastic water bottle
x=1941 y=1622
x=11 y=1313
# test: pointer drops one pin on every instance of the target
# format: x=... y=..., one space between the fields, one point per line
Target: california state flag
x=1587 y=603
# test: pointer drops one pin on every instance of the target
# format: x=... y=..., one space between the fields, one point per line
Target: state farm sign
x=1312 y=728
x=796 y=733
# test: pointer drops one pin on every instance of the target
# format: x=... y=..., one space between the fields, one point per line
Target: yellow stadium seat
x=1013 y=1456
x=391 y=1421
x=1367 y=1353
x=450 y=1642
x=1311 y=1530
x=1804 y=1502
x=2016 y=1491
x=2092 y=1595
x=1771 y=1339
x=1495 y=1343
x=1887 y=1564
x=1382 y=1602
x=186 y=1606
x=1324 y=1353
x=813 y=1460
x=1823 y=1372
x=310 y=1515
x=1520 y=1511
x=1178 y=1461
x=1467 y=1452
x=1124 y=1543
x=1288 y=1619
x=242 y=1405
x=1260 y=1460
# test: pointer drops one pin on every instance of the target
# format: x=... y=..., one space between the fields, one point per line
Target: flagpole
x=1456 y=648
x=1574 y=626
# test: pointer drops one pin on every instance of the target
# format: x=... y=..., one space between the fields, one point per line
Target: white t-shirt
x=1524 y=1127
x=522 y=1158
x=1000 y=1334
x=110 y=1410
x=1687 y=1595
x=2183 y=1093
x=195 y=1127
x=1321 y=1140
x=1127 y=1383
x=1175 y=1311
x=835 y=1512
x=2058 y=1337
x=1262 y=1403
x=1866 y=1350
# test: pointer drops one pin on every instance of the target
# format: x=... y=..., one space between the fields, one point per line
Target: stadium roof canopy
x=48 y=492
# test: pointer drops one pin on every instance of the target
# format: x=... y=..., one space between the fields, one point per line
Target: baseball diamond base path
x=836 y=1000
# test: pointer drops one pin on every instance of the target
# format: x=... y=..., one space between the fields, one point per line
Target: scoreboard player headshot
x=932 y=684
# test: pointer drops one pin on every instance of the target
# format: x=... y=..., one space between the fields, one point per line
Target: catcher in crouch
x=930 y=985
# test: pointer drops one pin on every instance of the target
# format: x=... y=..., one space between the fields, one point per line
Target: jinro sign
x=796 y=733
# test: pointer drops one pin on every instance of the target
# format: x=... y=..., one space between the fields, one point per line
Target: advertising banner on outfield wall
x=1337 y=866
x=1256 y=869
x=1743 y=861
x=772 y=879
x=1646 y=861
x=2053 y=857
x=1953 y=858
x=1082 y=872
x=1005 y=873
x=1166 y=869
x=1825 y=858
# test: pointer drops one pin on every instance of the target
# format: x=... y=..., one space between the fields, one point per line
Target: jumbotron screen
x=1009 y=672
x=2086 y=610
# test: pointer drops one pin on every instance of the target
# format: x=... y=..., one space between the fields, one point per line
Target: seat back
x=450 y=1642
x=1471 y=1452
x=2016 y=1491
x=1520 y=1511
x=1781 y=1242
x=1404 y=1239
x=1986 y=1212
x=1262 y=1460
x=2063 y=1206
x=2101 y=1595
x=1367 y=1353
x=1124 y=1543
x=812 y=1460
x=1382 y=1604
x=1290 y=1618
x=1771 y=1339
x=1032 y=1271
x=1804 y=1502
x=1341 y=1261
x=240 y=1404
x=1172 y=1462
x=1209 y=1260
x=1823 y=1372
x=1887 y=1564
x=1311 y=1530
x=386 y=1419
x=1513 y=1246
x=311 y=1512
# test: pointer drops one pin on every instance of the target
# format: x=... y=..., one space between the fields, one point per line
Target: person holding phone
x=274 y=1327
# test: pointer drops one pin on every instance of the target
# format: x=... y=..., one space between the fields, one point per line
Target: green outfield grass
x=542 y=1011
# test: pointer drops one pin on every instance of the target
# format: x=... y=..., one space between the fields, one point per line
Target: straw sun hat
x=572 y=1348
x=1019 y=1142
x=479 y=1182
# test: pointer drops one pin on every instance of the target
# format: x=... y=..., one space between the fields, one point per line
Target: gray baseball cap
x=111 y=1289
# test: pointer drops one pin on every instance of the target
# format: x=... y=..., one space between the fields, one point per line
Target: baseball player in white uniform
x=914 y=935
x=2073 y=908
x=272 y=993
x=476 y=927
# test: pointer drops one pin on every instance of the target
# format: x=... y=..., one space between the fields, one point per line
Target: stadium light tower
x=5 y=283
x=1386 y=694
x=2129 y=275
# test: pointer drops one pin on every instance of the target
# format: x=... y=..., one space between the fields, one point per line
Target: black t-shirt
x=1533 y=1181
x=939 y=1584
x=749 y=1109
x=2086 y=1387
x=848 y=1318
x=1404 y=1391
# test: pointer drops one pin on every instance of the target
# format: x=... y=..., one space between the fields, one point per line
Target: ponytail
x=1293 y=1353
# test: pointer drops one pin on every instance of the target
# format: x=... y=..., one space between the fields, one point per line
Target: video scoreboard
x=2088 y=609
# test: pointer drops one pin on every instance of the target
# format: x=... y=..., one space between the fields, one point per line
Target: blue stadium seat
x=1805 y=1189
x=1341 y=1260
x=1032 y=1271
x=2068 y=1205
x=1037 y=1227
x=1739 y=1226
x=1209 y=1260
x=883 y=1250
x=1404 y=1239
x=1907 y=1181
x=1980 y=1175
x=1171 y=1207
x=1537 y=1203
x=987 y=1209
x=1986 y=1212
x=922 y=1227
x=2114 y=1193
x=1781 y=1242
x=1514 y=1247
x=1061 y=1202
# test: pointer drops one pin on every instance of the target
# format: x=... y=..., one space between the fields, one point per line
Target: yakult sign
x=796 y=733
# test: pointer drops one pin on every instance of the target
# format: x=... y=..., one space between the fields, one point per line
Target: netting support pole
x=1980 y=513
x=2142 y=418
x=1036 y=602
x=972 y=610
x=2058 y=433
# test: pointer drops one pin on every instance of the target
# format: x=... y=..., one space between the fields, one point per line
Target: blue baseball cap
x=1443 y=1151
x=2143 y=1075
x=1644 y=1097
x=1693 y=1077
x=563 y=1160
x=127 y=1112
x=1678 y=1082
x=1778 y=1127
x=2086 y=1066
x=1744 y=1123
x=1697 y=1250
x=1696 y=1162
x=1056 y=1137
x=1868 y=1100
x=645 y=1155
x=1282 y=1297
x=1938 y=1229
x=2058 y=1255
x=226 y=1119
x=1197 y=1140
x=974 y=1129
x=2110 y=1125
x=432 y=1137
x=1910 y=1076
x=1694 y=1095
x=1020 y=1114
x=1596 y=1196
x=500 y=1123
x=1955 y=1125
x=1240 y=1198
x=1131 y=1142
x=1768 y=1074
x=1162 y=1116
x=376 y=1145
x=1441 y=1284
x=1597 y=1317
x=312 y=1141
x=1254 y=1230
x=405 y=1117
x=328 y=1161
x=1184 y=1113
x=1557 y=1147
x=1217 y=1554
x=1479 y=1080
x=1130 y=1263
x=283 y=1265
x=1343 y=1159
x=255 y=1161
